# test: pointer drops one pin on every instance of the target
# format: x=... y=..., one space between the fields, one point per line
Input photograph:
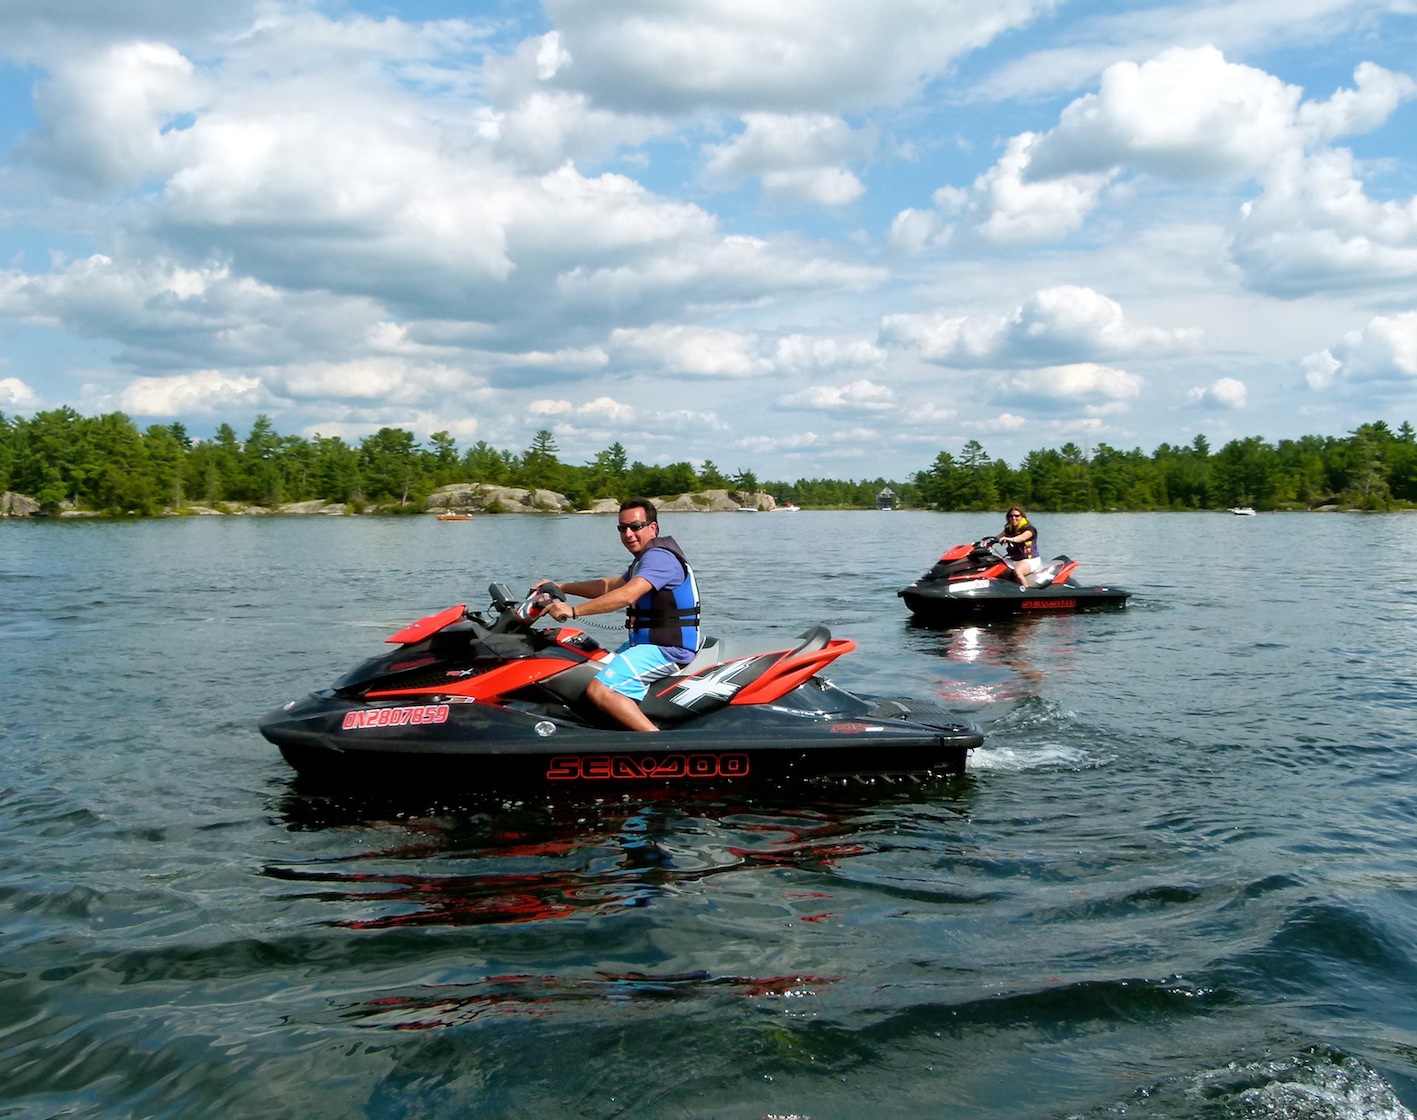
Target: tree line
x=62 y=459
x=1371 y=468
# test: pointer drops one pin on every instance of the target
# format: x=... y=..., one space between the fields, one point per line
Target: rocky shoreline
x=459 y=498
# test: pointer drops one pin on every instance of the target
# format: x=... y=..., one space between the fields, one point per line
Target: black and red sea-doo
x=973 y=581
x=492 y=702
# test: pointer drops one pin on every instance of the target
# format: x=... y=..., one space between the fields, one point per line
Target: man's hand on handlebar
x=560 y=610
x=541 y=599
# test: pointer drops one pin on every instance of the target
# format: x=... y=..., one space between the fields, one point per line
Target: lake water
x=1179 y=880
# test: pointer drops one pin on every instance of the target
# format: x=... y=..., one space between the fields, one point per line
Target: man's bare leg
x=619 y=707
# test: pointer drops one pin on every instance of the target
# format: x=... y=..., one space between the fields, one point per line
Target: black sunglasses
x=630 y=526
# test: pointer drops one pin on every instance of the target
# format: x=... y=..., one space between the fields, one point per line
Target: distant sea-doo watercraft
x=971 y=581
x=494 y=701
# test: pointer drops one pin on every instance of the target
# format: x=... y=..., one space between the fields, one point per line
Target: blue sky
x=804 y=239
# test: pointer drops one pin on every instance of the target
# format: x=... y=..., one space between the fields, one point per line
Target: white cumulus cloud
x=1227 y=392
x=1077 y=381
x=796 y=441
x=689 y=351
x=810 y=354
x=13 y=391
x=1004 y=422
x=1009 y=206
x=599 y=410
x=388 y=380
x=206 y=391
x=1318 y=229
x=802 y=156
x=608 y=409
x=105 y=115
x=689 y=55
x=1186 y=114
x=1383 y=351
x=1054 y=325
x=860 y=395
x=1190 y=116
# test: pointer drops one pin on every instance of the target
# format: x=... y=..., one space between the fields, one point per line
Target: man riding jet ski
x=496 y=702
x=661 y=602
x=975 y=580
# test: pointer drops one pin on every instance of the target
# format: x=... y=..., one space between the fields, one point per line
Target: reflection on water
x=455 y=1005
x=526 y=865
x=997 y=657
x=576 y=862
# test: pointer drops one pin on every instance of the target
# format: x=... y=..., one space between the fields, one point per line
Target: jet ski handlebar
x=537 y=600
x=512 y=613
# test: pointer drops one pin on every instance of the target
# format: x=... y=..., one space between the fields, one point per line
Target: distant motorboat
x=1242 y=511
x=747 y=509
x=789 y=508
x=455 y=517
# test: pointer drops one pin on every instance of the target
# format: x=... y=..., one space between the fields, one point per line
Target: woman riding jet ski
x=975 y=580
x=1022 y=547
x=496 y=702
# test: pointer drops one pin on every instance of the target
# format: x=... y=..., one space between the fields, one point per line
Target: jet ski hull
x=473 y=704
x=943 y=603
x=825 y=733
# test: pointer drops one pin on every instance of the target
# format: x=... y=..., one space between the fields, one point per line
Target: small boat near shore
x=1242 y=511
x=455 y=517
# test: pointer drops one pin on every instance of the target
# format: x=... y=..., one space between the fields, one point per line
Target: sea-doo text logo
x=395 y=717
x=1049 y=604
x=623 y=767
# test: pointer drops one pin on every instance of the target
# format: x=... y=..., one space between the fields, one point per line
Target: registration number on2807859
x=394 y=717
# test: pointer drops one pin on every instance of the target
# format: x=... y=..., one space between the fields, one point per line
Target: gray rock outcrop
x=17 y=505
x=479 y=497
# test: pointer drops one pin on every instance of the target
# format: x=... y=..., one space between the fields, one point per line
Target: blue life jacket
x=666 y=618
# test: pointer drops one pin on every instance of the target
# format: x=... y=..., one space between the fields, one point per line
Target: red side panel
x=959 y=552
x=566 y=638
x=1065 y=572
x=787 y=674
x=988 y=573
x=490 y=685
x=429 y=625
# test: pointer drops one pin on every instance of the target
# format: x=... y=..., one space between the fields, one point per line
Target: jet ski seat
x=818 y=637
x=715 y=651
x=1049 y=572
x=1044 y=576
